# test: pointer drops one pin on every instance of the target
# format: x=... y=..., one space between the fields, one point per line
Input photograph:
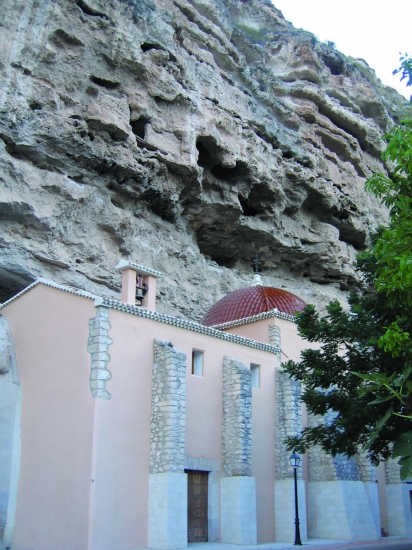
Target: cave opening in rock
x=230 y=174
x=139 y=126
x=108 y=84
x=247 y=210
x=147 y=46
x=208 y=152
x=90 y=11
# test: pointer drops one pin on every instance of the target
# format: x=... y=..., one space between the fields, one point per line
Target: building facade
x=125 y=428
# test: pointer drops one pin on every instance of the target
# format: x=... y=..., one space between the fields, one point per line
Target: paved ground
x=390 y=543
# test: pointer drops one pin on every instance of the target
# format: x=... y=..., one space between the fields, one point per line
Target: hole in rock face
x=90 y=11
x=287 y=154
x=109 y=84
x=230 y=174
x=205 y=158
x=247 y=210
x=146 y=46
x=334 y=62
x=35 y=106
x=139 y=126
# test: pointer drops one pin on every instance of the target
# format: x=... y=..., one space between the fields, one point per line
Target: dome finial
x=257 y=279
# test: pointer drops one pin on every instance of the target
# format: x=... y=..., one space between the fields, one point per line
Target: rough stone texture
x=237 y=419
x=185 y=135
x=367 y=471
x=392 y=472
x=98 y=346
x=275 y=338
x=167 y=445
x=324 y=467
x=288 y=421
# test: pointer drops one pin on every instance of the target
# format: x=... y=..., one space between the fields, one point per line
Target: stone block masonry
x=238 y=510
x=275 y=339
x=237 y=487
x=237 y=419
x=98 y=347
x=398 y=501
x=288 y=420
x=167 y=451
x=167 y=527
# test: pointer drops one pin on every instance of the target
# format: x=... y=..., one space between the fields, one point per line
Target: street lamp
x=295 y=461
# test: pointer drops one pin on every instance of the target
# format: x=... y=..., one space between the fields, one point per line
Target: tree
x=362 y=372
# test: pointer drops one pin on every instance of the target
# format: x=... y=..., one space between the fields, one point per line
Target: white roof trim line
x=140 y=269
x=45 y=282
x=188 y=325
x=253 y=318
x=152 y=315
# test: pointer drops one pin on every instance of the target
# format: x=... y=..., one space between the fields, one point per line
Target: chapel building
x=123 y=428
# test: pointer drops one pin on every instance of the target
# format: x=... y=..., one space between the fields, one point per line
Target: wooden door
x=197 y=506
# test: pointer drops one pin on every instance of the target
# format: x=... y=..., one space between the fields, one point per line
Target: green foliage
x=337 y=377
x=405 y=70
x=362 y=373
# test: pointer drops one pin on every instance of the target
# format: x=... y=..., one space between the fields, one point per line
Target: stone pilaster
x=398 y=505
x=237 y=419
x=167 y=523
x=98 y=347
x=167 y=452
x=288 y=422
x=237 y=486
x=275 y=338
x=367 y=474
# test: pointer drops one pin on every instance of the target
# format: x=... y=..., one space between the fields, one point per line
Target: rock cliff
x=186 y=136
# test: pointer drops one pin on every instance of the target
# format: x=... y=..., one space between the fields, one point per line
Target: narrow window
x=197 y=362
x=255 y=370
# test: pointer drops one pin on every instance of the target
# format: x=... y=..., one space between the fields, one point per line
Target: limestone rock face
x=186 y=136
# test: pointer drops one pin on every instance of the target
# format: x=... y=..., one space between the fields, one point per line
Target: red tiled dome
x=252 y=300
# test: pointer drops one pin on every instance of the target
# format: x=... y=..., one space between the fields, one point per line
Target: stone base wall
x=372 y=494
x=238 y=510
x=213 y=507
x=398 y=505
x=167 y=521
x=340 y=510
x=285 y=510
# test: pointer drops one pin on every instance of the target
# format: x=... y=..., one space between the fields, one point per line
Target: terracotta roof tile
x=250 y=301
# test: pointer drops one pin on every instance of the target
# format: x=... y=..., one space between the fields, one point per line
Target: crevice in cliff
x=63 y=39
x=139 y=126
x=104 y=82
x=231 y=174
x=247 y=209
x=86 y=9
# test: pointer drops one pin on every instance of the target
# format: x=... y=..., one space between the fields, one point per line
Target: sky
x=374 y=30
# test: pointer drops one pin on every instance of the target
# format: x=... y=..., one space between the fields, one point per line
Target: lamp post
x=295 y=461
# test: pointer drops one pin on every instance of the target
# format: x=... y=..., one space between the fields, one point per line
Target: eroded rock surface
x=186 y=136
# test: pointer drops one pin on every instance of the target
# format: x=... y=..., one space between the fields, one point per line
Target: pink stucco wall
x=85 y=461
x=57 y=419
x=291 y=343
